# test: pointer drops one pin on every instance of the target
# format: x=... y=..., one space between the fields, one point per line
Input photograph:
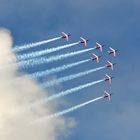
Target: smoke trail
x=55 y=115
x=67 y=92
x=70 y=77
x=31 y=45
x=74 y=108
x=44 y=52
x=57 y=69
x=43 y=60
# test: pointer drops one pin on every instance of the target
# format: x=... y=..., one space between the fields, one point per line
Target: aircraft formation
x=38 y=58
x=94 y=57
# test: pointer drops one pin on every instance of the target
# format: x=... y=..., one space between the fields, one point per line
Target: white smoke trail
x=31 y=45
x=43 y=60
x=74 y=108
x=70 y=77
x=57 y=69
x=44 y=52
x=58 y=114
x=67 y=92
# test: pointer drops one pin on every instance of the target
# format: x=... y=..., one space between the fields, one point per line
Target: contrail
x=57 y=69
x=31 y=45
x=66 y=111
x=43 y=60
x=70 y=77
x=74 y=108
x=44 y=52
x=67 y=92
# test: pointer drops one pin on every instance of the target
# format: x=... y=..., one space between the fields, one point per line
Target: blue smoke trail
x=44 y=52
x=45 y=60
x=57 y=69
x=31 y=45
x=70 y=77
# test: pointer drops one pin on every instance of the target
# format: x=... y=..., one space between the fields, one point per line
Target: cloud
x=18 y=93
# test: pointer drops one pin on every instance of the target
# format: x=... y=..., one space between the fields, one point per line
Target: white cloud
x=16 y=93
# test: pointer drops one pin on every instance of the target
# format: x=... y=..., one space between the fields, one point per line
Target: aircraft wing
x=67 y=38
x=101 y=49
x=114 y=53
x=98 y=44
x=85 y=43
x=111 y=49
x=109 y=97
x=110 y=64
x=97 y=59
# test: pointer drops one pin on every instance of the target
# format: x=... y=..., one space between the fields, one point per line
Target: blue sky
x=115 y=23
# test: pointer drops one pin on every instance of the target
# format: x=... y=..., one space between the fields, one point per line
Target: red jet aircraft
x=112 y=51
x=82 y=40
x=108 y=78
x=95 y=57
x=99 y=46
x=110 y=65
x=107 y=95
x=64 y=35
